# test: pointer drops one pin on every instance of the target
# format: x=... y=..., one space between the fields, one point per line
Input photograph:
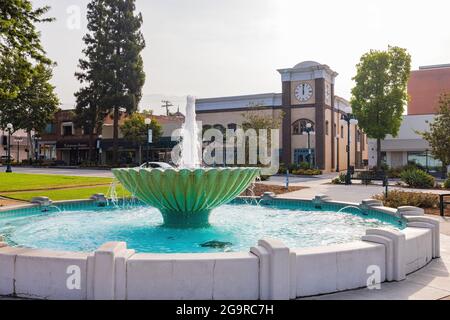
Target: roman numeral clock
x=303 y=92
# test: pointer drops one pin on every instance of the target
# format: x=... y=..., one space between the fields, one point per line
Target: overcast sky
x=214 y=48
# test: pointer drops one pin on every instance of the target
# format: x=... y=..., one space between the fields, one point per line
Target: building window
x=232 y=126
x=49 y=128
x=206 y=127
x=299 y=126
x=342 y=132
x=335 y=130
x=219 y=127
x=67 y=129
x=358 y=136
x=327 y=130
x=424 y=160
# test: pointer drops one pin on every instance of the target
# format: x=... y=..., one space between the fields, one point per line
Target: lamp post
x=148 y=121
x=99 y=148
x=9 y=127
x=36 y=139
x=309 y=131
x=348 y=118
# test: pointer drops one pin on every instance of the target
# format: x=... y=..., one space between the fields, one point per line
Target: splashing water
x=349 y=207
x=190 y=146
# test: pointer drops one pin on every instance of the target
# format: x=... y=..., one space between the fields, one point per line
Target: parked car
x=153 y=165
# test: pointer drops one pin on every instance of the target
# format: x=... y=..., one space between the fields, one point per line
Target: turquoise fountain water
x=234 y=227
x=185 y=196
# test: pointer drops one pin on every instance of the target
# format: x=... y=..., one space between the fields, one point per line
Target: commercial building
x=307 y=97
x=20 y=145
x=63 y=143
x=425 y=87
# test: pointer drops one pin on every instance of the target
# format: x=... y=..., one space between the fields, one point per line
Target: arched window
x=206 y=127
x=342 y=132
x=299 y=126
x=327 y=125
x=219 y=127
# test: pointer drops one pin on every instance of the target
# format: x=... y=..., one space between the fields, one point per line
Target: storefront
x=73 y=153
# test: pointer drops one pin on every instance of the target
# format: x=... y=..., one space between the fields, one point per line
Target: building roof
x=239 y=102
x=306 y=64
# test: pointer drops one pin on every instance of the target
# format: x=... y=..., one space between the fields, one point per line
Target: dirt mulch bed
x=259 y=189
x=9 y=202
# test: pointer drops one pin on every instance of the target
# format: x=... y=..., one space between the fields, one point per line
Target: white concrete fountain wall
x=269 y=271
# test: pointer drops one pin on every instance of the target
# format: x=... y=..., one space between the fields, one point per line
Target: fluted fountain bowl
x=186 y=197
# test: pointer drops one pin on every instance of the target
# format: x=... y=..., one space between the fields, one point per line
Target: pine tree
x=113 y=64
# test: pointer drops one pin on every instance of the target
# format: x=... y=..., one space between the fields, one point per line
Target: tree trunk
x=378 y=154
x=116 y=136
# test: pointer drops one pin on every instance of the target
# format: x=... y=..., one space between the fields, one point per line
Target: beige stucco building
x=307 y=97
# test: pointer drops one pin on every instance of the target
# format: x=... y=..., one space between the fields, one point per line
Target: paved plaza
x=431 y=282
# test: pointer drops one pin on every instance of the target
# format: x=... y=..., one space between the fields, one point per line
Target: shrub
x=365 y=176
x=446 y=184
x=305 y=165
x=340 y=179
x=416 y=178
x=398 y=198
x=307 y=172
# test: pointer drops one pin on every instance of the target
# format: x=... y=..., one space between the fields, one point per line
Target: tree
x=34 y=105
x=89 y=115
x=134 y=129
x=20 y=46
x=380 y=93
x=113 y=64
x=256 y=120
x=439 y=135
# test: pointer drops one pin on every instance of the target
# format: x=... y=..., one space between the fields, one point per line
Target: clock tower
x=308 y=93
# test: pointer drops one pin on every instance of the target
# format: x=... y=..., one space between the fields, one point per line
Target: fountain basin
x=185 y=197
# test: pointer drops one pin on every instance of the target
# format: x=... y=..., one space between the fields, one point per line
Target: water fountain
x=185 y=196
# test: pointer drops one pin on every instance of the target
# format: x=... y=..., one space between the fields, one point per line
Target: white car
x=154 y=165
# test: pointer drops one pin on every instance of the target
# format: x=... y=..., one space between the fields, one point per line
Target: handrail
x=442 y=203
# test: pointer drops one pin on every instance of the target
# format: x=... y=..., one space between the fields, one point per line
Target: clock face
x=303 y=92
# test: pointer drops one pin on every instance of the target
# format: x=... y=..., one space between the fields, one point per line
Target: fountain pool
x=234 y=227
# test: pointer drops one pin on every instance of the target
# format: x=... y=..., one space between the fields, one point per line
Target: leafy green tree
x=380 y=93
x=113 y=63
x=256 y=120
x=439 y=135
x=34 y=105
x=20 y=45
x=134 y=129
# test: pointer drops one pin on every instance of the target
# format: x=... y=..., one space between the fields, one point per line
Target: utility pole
x=167 y=104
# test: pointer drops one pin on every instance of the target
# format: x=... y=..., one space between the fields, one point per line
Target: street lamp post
x=36 y=139
x=309 y=131
x=9 y=127
x=349 y=119
x=148 y=121
x=99 y=149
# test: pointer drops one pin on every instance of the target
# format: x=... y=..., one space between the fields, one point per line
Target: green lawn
x=10 y=182
x=67 y=194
